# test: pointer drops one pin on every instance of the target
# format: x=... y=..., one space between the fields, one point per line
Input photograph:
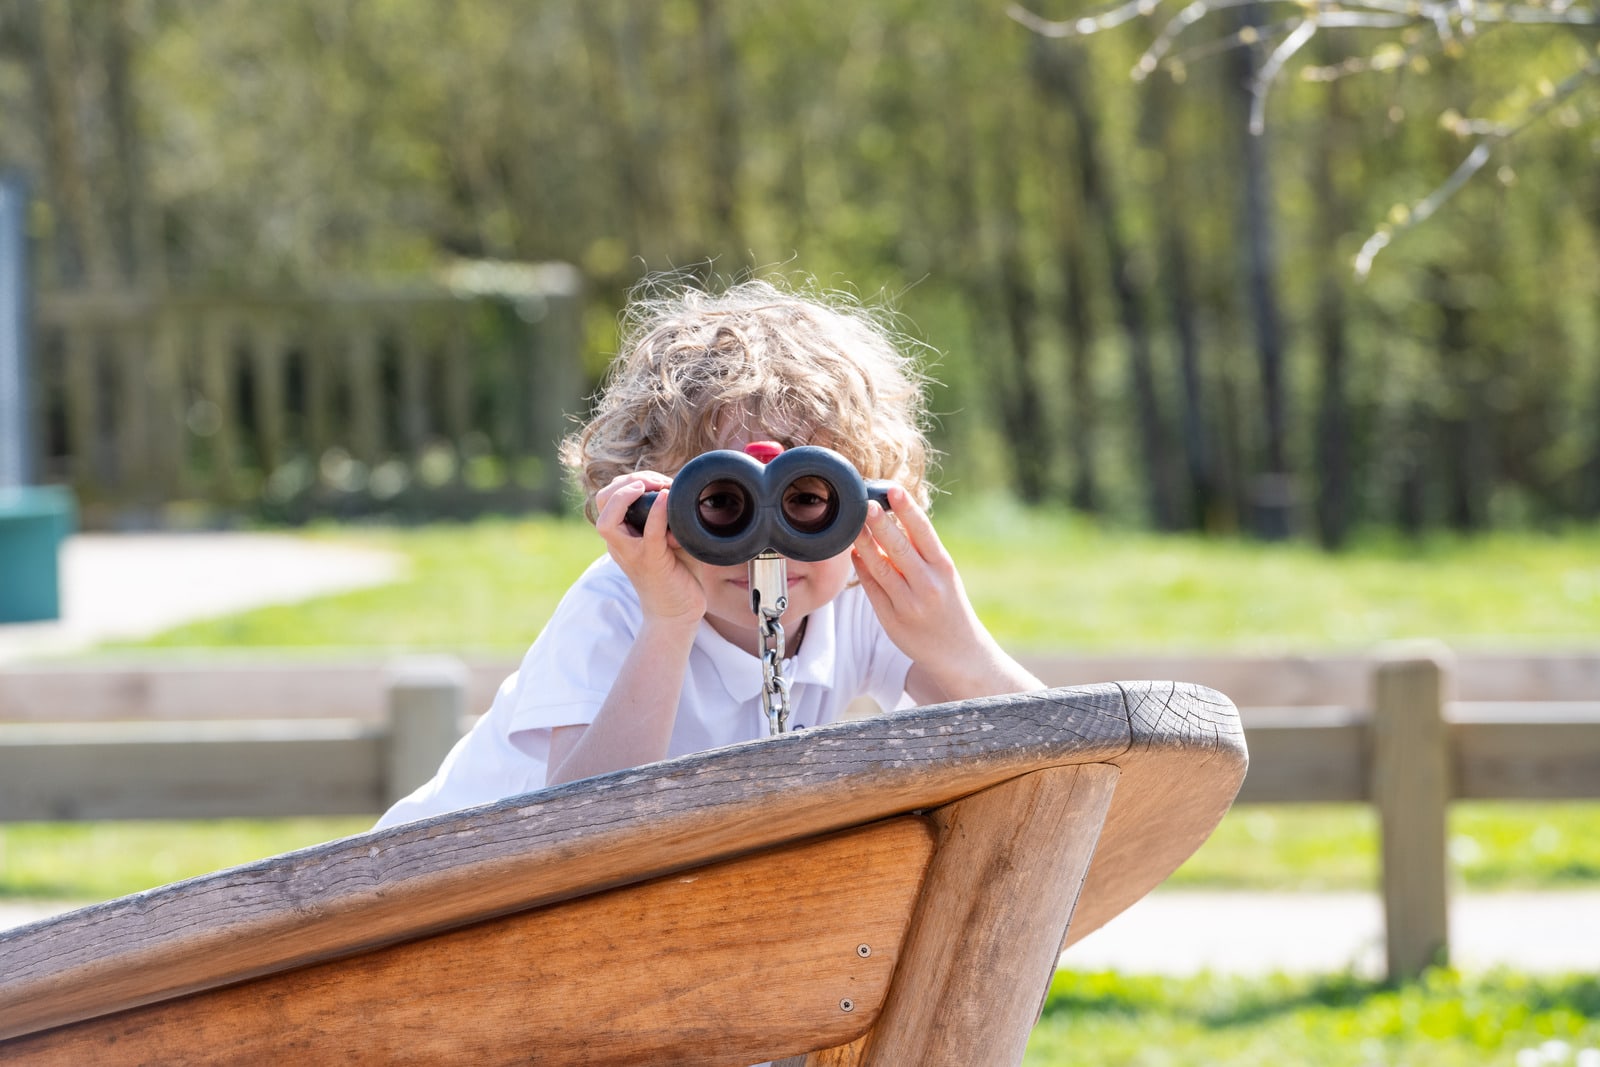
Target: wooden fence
x=421 y=398
x=1408 y=732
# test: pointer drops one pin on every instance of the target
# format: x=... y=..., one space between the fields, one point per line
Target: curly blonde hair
x=697 y=370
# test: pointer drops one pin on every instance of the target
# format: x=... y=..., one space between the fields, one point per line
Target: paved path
x=135 y=585
x=1188 y=931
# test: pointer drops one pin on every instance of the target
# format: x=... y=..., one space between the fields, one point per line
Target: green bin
x=33 y=522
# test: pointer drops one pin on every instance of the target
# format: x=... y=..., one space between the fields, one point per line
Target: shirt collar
x=740 y=670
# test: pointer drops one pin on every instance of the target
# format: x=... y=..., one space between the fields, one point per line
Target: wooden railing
x=419 y=398
x=1408 y=731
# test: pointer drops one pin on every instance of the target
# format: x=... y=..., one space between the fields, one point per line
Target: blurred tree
x=1118 y=334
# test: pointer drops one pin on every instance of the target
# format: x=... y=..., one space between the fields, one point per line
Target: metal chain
x=774 y=686
x=769 y=596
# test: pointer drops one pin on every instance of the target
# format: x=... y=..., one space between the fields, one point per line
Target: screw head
x=847 y=1004
x=863 y=950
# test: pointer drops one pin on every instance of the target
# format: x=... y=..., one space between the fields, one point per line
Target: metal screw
x=847 y=1004
x=863 y=950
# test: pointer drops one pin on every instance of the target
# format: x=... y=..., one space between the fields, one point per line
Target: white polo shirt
x=567 y=673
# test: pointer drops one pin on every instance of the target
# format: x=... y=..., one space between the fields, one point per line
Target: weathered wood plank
x=1265 y=681
x=1181 y=737
x=1010 y=863
x=351 y=688
x=1526 y=752
x=239 y=689
x=257 y=769
x=1306 y=756
x=657 y=973
x=1176 y=747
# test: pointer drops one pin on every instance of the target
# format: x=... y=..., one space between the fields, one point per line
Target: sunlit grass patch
x=101 y=860
x=1042 y=581
x=1444 y=1020
x=1493 y=846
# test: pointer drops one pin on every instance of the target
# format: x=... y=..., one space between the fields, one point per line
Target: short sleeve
x=566 y=675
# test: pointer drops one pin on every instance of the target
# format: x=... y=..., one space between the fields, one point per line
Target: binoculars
x=727 y=507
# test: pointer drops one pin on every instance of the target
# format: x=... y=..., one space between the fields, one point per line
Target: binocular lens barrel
x=726 y=507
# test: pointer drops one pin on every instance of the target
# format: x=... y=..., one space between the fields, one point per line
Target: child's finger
x=885 y=528
x=869 y=554
x=655 y=524
x=918 y=528
x=615 y=503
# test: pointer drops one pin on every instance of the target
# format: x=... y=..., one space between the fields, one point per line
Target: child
x=654 y=654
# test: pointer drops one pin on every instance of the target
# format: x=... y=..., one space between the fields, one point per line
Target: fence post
x=427 y=696
x=1411 y=787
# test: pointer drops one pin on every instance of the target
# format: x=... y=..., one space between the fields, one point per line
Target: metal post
x=16 y=423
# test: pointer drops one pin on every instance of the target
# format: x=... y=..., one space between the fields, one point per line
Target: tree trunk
x=1083 y=406
x=615 y=54
x=139 y=232
x=83 y=254
x=720 y=68
x=1464 y=456
x=1333 y=403
x=1175 y=280
x=1272 y=492
x=1056 y=67
x=1021 y=395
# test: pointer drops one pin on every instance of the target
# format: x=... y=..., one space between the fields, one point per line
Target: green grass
x=101 y=860
x=1335 y=847
x=1444 y=1020
x=1041 y=580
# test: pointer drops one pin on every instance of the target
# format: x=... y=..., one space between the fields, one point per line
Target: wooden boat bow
x=885 y=890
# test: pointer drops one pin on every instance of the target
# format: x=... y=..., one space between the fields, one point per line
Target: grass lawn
x=1048 y=582
x=1040 y=580
x=1445 y=1020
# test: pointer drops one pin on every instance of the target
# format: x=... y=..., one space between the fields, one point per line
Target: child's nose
x=765 y=451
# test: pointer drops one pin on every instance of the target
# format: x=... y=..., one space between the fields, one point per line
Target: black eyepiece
x=726 y=507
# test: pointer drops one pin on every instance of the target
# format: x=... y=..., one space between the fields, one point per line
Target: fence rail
x=1412 y=732
x=299 y=403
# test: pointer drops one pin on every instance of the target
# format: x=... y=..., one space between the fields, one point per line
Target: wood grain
x=205 y=770
x=728 y=964
x=1179 y=749
x=1185 y=743
x=1008 y=869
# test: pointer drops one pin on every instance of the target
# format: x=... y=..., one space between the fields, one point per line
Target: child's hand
x=916 y=590
x=668 y=590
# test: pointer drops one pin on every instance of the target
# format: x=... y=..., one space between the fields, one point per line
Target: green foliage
x=1444 y=1020
x=1024 y=199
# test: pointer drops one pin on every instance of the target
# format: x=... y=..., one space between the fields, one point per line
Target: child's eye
x=724 y=508
x=808 y=504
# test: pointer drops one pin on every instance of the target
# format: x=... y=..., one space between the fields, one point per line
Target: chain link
x=774 y=686
x=769 y=596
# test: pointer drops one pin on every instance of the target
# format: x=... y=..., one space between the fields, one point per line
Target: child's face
x=811 y=585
